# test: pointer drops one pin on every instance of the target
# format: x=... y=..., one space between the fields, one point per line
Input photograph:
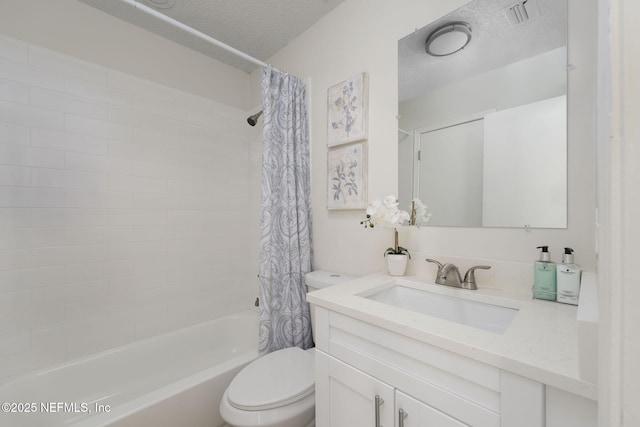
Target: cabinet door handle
x=379 y=402
x=401 y=416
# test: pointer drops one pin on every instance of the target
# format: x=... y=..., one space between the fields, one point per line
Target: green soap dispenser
x=544 y=278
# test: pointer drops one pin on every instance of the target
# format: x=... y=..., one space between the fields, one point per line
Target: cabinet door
x=346 y=397
x=418 y=414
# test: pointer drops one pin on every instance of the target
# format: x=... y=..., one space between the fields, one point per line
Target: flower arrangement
x=387 y=213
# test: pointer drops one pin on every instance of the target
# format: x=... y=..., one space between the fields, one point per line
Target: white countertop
x=541 y=343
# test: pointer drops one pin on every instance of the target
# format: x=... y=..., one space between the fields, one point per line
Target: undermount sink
x=489 y=317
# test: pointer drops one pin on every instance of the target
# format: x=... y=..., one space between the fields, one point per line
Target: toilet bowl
x=278 y=389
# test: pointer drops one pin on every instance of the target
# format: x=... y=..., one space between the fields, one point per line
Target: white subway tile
x=168 y=323
x=129 y=117
x=13 y=49
x=69 y=141
x=30 y=116
x=15 y=238
x=45 y=257
x=11 y=133
x=69 y=179
x=123 y=233
x=15 y=175
x=98 y=199
x=63 y=217
x=154 y=138
x=98 y=334
x=137 y=217
x=150 y=169
x=187 y=130
x=152 y=201
x=15 y=217
x=65 y=64
x=130 y=250
x=14 y=259
x=119 y=165
x=47 y=349
x=152 y=232
x=161 y=108
x=36 y=76
x=98 y=128
x=136 y=85
x=137 y=152
x=157 y=263
x=184 y=99
x=14 y=322
x=25 y=197
x=15 y=343
x=44 y=237
x=187 y=187
x=99 y=93
x=137 y=184
x=99 y=270
x=87 y=162
x=14 y=92
x=59 y=101
x=21 y=155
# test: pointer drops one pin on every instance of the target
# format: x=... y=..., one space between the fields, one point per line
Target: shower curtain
x=285 y=225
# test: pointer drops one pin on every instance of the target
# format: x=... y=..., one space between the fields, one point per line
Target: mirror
x=482 y=136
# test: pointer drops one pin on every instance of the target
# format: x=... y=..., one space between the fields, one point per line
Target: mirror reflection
x=482 y=115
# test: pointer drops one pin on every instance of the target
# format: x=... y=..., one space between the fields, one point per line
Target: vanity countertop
x=541 y=343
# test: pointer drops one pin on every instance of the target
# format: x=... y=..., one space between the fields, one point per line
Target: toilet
x=278 y=389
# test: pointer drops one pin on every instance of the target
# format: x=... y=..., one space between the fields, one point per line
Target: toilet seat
x=273 y=381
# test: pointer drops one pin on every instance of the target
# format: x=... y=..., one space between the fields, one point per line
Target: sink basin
x=489 y=317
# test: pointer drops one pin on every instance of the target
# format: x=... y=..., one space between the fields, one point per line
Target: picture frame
x=348 y=111
x=347 y=177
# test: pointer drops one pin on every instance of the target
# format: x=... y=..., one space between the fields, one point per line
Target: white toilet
x=278 y=389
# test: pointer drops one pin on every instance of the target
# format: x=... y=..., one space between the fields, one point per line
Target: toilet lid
x=277 y=379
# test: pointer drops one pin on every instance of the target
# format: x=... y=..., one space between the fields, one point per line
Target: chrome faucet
x=449 y=275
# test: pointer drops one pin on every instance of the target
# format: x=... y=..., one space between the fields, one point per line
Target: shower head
x=254 y=119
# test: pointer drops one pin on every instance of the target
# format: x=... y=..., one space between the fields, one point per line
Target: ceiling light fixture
x=448 y=39
x=161 y=4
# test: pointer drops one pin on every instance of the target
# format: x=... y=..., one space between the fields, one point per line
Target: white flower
x=391 y=201
x=422 y=214
x=386 y=212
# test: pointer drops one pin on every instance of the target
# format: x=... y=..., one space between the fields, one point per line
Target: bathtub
x=169 y=380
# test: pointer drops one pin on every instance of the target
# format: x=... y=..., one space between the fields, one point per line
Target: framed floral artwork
x=347 y=177
x=348 y=111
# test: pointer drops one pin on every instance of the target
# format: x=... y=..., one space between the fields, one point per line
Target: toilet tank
x=321 y=279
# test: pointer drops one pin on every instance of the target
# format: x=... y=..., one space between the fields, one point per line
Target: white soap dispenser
x=568 y=279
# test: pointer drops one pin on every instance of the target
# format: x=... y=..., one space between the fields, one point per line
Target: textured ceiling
x=258 y=28
x=494 y=43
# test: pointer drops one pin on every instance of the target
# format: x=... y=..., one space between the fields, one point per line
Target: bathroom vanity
x=407 y=352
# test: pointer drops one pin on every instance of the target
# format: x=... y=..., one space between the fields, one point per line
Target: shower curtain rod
x=193 y=31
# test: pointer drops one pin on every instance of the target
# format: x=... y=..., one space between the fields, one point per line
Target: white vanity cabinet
x=411 y=412
x=349 y=396
x=363 y=370
x=352 y=398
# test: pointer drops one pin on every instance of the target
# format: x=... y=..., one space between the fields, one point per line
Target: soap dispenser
x=544 y=280
x=568 y=279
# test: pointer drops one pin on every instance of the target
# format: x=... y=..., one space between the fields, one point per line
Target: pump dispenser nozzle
x=567 y=256
x=544 y=253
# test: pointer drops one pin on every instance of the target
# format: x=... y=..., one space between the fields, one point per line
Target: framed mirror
x=482 y=136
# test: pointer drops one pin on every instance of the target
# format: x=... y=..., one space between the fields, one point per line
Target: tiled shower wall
x=124 y=208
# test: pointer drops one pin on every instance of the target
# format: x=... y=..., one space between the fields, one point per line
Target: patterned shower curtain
x=285 y=225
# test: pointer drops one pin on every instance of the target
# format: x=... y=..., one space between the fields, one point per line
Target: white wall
x=619 y=207
x=79 y=30
x=361 y=36
x=125 y=207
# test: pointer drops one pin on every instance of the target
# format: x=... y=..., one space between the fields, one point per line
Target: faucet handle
x=469 y=281
x=435 y=262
